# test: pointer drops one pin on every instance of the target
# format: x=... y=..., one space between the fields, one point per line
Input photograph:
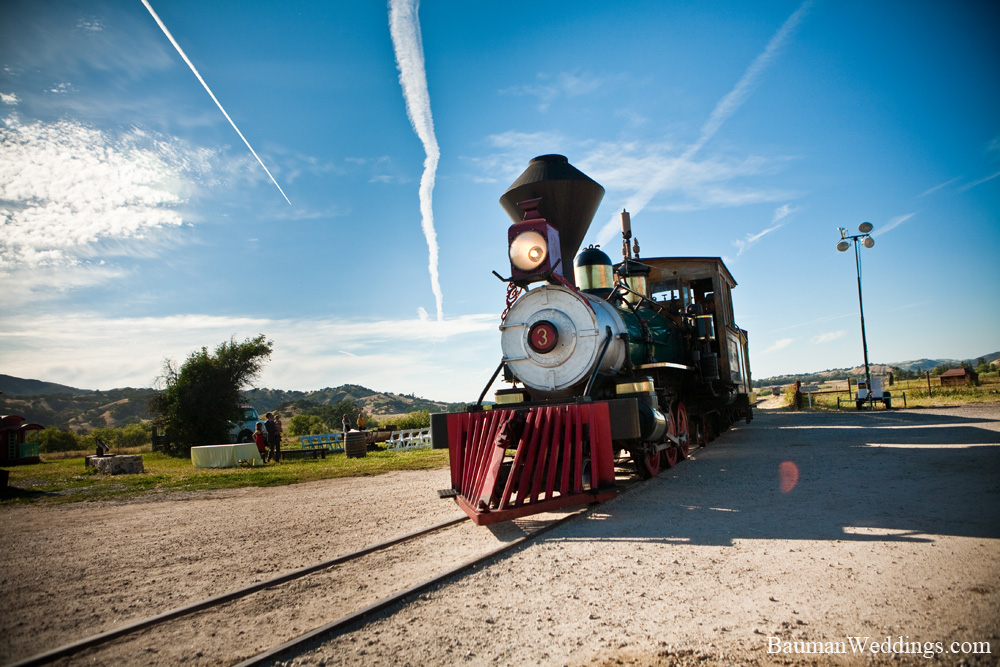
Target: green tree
x=132 y=435
x=418 y=419
x=54 y=440
x=304 y=424
x=204 y=394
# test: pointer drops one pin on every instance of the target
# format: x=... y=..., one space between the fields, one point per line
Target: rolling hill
x=64 y=407
x=918 y=365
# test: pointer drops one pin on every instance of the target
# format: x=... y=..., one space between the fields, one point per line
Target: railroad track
x=227 y=610
x=281 y=590
x=131 y=628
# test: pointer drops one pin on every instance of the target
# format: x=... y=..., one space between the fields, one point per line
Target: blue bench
x=331 y=442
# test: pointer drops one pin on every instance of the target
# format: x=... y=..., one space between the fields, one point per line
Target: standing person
x=346 y=423
x=277 y=425
x=362 y=421
x=273 y=439
x=260 y=438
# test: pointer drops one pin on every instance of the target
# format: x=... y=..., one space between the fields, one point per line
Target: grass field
x=65 y=479
x=62 y=477
x=915 y=391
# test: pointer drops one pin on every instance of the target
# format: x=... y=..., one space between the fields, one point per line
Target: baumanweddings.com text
x=899 y=645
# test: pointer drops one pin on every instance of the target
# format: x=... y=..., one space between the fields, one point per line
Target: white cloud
x=735 y=98
x=90 y=25
x=65 y=187
x=783 y=212
x=550 y=88
x=9 y=98
x=819 y=320
x=751 y=239
x=404 y=27
x=648 y=169
x=448 y=360
x=938 y=187
x=779 y=344
x=73 y=196
x=780 y=213
x=511 y=152
x=893 y=223
x=669 y=171
x=969 y=186
x=827 y=337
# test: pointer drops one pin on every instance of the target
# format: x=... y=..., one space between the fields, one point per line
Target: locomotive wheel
x=651 y=459
x=683 y=431
x=647 y=461
x=698 y=438
x=670 y=453
x=708 y=433
x=670 y=457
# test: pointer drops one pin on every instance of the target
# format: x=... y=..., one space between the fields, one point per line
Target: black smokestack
x=569 y=201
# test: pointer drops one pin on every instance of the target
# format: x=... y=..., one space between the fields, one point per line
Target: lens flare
x=788 y=476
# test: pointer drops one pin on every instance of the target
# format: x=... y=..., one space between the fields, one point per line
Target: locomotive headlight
x=533 y=246
x=528 y=250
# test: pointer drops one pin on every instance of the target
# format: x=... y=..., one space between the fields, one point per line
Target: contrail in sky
x=212 y=95
x=726 y=107
x=404 y=28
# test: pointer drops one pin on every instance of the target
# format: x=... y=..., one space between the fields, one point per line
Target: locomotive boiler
x=600 y=358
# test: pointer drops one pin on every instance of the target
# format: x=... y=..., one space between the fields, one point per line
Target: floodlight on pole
x=867 y=241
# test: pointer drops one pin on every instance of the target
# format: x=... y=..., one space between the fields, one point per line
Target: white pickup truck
x=242 y=431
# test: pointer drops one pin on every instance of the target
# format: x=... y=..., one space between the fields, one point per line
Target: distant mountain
x=374 y=402
x=51 y=404
x=21 y=387
x=876 y=369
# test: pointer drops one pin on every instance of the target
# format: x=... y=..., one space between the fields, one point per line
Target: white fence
x=407 y=438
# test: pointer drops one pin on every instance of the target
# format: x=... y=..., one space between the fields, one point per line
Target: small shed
x=957 y=377
x=13 y=448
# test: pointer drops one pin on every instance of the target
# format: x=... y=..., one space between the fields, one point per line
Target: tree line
x=201 y=399
x=981 y=367
x=322 y=419
x=58 y=440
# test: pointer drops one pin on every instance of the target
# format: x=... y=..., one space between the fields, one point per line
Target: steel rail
x=110 y=635
x=335 y=627
x=326 y=630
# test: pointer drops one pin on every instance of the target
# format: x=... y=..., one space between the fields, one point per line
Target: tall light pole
x=867 y=241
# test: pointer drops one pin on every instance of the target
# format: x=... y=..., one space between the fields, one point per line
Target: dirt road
x=799 y=531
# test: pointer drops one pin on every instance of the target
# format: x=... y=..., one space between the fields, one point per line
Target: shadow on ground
x=887 y=476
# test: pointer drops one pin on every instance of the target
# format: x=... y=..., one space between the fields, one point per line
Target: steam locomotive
x=640 y=356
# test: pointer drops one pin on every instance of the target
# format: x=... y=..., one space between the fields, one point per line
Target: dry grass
x=906 y=393
x=66 y=479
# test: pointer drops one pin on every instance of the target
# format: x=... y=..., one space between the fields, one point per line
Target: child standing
x=260 y=439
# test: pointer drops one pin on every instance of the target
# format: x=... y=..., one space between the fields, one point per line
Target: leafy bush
x=133 y=435
x=55 y=440
x=418 y=419
x=306 y=424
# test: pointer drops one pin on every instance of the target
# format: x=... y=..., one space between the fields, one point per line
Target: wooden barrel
x=355 y=445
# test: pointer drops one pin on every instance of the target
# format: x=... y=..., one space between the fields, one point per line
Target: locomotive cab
x=703 y=287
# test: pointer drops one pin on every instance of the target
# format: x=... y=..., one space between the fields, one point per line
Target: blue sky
x=137 y=225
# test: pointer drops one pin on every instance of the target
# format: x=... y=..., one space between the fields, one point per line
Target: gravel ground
x=807 y=528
